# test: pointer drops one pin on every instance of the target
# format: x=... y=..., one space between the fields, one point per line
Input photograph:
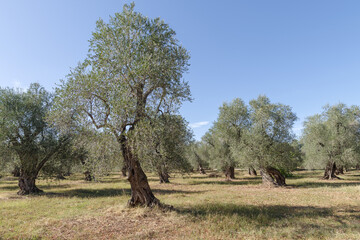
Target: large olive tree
x=332 y=138
x=26 y=135
x=133 y=71
x=258 y=136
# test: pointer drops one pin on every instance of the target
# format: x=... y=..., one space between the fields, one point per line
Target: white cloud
x=198 y=124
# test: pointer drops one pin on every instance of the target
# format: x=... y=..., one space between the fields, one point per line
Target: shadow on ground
x=223 y=182
x=110 y=192
x=326 y=183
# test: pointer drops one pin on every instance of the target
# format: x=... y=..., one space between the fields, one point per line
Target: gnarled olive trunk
x=16 y=171
x=141 y=194
x=339 y=170
x=252 y=171
x=272 y=177
x=164 y=176
x=201 y=169
x=88 y=176
x=60 y=176
x=124 y=170
x=330 y=171
x=229 y=173
x=27 y=183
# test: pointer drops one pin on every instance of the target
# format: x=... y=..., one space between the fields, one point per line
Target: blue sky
x=302 y=53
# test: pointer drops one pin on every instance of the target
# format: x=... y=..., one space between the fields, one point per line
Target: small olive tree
x=198 y=155
x=162 y=144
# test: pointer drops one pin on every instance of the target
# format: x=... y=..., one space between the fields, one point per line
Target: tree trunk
x=88 y=176
x=272 y=177
x=357 y=167
x=27 y=184
x=164 y=177
x=16 y=171
x=252 y=171
x=229 y=173
x=201 y=169
x=60 y=176
x=124 y=170
x=339 y=170
x=330 y=171
x=141 y=194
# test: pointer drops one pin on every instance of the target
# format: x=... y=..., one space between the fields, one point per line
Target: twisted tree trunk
x=124 y=170
x=229 y=173
x=252 y=171
x=339 y=170
x=330 y=171
x=88 y=176
x=201 y=169
x=27 y=183
x=164 y=177
x=272 y=177
x=16 y=171
x=141 y=194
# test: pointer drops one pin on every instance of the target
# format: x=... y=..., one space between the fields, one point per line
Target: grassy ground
x=206 y=208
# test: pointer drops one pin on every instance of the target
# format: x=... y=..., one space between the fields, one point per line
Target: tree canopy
x=133 y=71
x=26 y=135
x=332 y=137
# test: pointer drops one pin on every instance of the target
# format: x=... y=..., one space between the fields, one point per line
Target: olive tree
x=198 y=156
x=219 y=153
x=133 y=71
x=227 y=132
x=96 y=153
x=26 y=135
x=331 y=139
x=258 y=136
x=162 y=144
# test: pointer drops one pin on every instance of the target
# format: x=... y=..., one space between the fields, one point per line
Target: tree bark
x=124 y=170
x=60 y=176
x=16 y=171
x=229 y=173
x=164 y=177
x=27 y=183
x=252 y=171
x=201 y=169
x=141 y=194
x=88 y=176
x=339 y=170
x=272 y=177
x=329 y=173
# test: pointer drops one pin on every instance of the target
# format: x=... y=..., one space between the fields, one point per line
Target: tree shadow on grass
x=326 y=183
x=223 y=182
x=301 y=222
x=110 y=192
x=257 y=215
x=11 y=187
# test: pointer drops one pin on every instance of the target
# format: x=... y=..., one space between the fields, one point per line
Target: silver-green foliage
x=162 y=143
x=258 y=134
x=134 y=69
x=25 y=135
x=332 y=136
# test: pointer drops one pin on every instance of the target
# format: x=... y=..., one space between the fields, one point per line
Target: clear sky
x=301 y=53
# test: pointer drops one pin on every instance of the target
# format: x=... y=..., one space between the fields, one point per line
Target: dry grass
x=206 y=208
